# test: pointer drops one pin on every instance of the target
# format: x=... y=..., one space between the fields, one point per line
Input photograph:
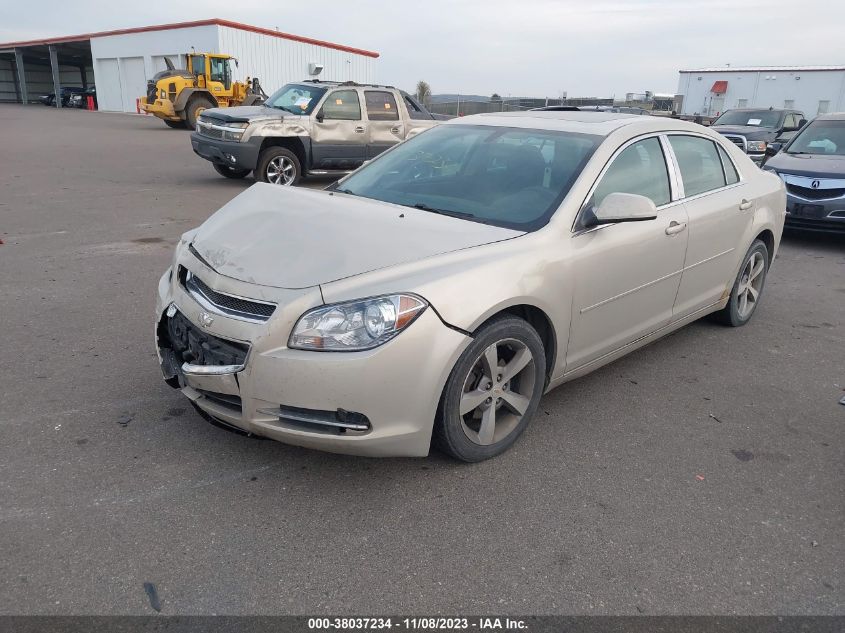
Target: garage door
x=133 y=81
x=108 y=85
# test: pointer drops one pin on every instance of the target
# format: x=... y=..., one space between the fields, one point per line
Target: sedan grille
x=815 y=194
x=192 y=345
x=230 y=305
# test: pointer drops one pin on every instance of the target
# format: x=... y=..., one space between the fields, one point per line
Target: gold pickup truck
x=308 y=128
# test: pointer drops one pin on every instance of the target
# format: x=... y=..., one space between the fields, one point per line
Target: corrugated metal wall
x=39 y=79
x=276 y=61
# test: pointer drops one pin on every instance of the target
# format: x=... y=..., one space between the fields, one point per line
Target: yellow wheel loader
x=177 y=96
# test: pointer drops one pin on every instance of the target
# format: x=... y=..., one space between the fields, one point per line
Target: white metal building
x=811 y=89
x=120 y=62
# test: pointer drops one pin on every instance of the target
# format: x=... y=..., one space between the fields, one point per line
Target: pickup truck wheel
x=195 y=108
x=278 y=166
x=176 y=125
x=231 y=172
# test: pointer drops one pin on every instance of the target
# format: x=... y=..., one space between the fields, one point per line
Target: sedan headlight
x=356 y=325
x=756 y=147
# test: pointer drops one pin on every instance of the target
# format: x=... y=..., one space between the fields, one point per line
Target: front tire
x=278 y=166
x=231 y=172
x=176 y=125
x=747 y=289
x=492 y=392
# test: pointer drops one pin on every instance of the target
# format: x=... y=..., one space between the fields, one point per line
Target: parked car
x=308 y=128
x=80 y=99
x=441 y=289
x=753 y=129
x=67 y=93
x=812 y=165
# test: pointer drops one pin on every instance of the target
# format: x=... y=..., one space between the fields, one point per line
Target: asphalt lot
x=702 y=474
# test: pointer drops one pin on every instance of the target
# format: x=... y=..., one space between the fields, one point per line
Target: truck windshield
x=296 y=98
x=820 y=137
x=754 y=118
x=508 y=177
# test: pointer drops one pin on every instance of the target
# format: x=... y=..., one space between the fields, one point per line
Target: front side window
x=508 y=177
x=820 y=137
x=219 y=70
x=639 y=169
x=415 y=111
x=296 y=98
x=699 y=162
x=381 y=106
x=342 y=105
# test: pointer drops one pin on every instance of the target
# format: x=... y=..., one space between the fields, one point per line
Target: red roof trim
x=187 y=25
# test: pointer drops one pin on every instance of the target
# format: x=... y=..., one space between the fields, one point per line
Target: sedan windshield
x=296 y=98
x=820 y=137
x=754 y=118
x=508 y=177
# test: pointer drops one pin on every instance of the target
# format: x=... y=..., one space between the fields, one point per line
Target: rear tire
x=492 y=392
x=747 y=289
x=176 y=125
x=278 y=166
x=195 y=108
x=231 y=172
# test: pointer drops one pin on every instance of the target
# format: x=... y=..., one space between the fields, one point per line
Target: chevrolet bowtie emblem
x=206 y=319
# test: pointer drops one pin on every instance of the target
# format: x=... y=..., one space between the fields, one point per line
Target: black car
x=753 y=129
x=80 y=99
x=812 y=166
x=67 y=93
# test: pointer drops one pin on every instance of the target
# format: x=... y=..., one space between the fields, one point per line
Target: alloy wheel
x=497 y=391
x=281 y=171
x=750 y=285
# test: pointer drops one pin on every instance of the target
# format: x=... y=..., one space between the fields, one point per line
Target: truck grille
x=738 y=140
x=205 y=129
x=815 y=194
x=230 y=305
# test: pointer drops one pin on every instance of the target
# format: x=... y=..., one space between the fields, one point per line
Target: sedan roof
x=582 y=122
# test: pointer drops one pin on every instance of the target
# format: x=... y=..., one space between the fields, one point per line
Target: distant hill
x=448 y=98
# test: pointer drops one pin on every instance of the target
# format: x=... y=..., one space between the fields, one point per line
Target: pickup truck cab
x=753 y=129
x=308 y=128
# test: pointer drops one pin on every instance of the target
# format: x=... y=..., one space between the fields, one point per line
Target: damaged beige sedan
x=434 y=295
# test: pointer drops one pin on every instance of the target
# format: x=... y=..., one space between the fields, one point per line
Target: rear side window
x=699 y=162
x=730 y=170
x=381 y=106
x=639 y=169
x=342 y=105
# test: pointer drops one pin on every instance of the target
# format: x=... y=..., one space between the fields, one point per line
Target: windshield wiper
x=346 y=191
x=808 y=153
x=455 y=214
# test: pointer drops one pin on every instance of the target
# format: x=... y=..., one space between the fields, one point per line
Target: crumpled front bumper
x=395 y=387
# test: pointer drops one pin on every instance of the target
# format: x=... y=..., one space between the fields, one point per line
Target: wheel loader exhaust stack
x=178 y=96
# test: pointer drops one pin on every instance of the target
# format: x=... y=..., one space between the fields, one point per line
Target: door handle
x=675 y=227
x=359 y=130
x=745 y=205
x=395 y=130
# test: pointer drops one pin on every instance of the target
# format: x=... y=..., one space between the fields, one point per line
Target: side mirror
x=621 y=207
x=320 y=116
x=802 y=123
x=773 y=148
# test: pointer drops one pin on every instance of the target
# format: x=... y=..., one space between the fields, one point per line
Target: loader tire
x=176 y=125
x=195 y=108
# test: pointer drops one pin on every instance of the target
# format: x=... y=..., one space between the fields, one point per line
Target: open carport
x=34 y=68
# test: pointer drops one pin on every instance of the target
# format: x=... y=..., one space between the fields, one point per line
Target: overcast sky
x=516 y=47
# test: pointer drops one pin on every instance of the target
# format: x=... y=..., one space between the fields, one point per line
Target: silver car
x=435 y=294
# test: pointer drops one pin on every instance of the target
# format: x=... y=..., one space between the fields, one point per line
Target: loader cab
x=220 y=71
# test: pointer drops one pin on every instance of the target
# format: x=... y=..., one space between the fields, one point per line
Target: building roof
x=187 y=25
x=762 y=69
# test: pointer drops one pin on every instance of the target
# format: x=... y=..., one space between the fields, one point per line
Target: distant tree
x=423 y=92
x=495 y=97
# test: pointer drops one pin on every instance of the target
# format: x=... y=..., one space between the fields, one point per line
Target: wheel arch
x=293 y=143
x=768 y=238
x=540 y=321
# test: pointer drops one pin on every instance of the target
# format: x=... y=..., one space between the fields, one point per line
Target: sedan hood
x=752 y=132
x=297 y=238
x=810 y=165
x=244 y=113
